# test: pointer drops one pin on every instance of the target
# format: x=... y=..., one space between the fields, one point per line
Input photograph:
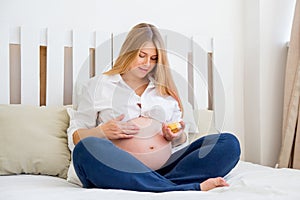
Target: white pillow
x=72 y=176
x=188 y=117
x=204 y=122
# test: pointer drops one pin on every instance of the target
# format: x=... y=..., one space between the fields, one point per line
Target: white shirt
x=105 y=97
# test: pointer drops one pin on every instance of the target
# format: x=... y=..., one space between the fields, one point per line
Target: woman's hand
x=116 y=129
x=169 y=135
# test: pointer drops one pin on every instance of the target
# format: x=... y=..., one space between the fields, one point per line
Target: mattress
x=247 y=181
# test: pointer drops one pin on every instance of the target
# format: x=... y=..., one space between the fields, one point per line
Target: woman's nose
x=147 y=61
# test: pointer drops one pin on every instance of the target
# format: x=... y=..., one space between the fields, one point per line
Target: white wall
x=257 y=42
x=190 y=16
x=267 y=30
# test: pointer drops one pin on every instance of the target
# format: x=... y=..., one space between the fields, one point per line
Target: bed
x=39 y=70
x=247 y=181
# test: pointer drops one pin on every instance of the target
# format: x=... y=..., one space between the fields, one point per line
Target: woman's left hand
x=169 y=135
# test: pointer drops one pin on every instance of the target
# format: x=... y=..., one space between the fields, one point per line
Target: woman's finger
x=182 y=124
x=120 y=117
x=130 y=131
x=128 y=128
x=167 y=133
x=124 y=136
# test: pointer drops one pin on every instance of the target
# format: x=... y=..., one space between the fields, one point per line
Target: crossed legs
x=99 y=163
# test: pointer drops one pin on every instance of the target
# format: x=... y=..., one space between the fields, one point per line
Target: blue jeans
x=100 y=164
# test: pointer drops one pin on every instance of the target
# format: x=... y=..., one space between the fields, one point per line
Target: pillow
x=72 y=176
x=33 y=140
x=205 y=124
x=188 y=117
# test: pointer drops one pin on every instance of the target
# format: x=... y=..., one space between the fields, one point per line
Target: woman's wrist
x=179 y=140
x=100 y=131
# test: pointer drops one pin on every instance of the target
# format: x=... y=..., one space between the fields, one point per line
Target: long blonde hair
x=136 y=38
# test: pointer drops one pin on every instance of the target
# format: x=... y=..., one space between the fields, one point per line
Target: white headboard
x=39 y=66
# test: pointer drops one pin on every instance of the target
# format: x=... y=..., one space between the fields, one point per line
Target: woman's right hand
x=116 y=129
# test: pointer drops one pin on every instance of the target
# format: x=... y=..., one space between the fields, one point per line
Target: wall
x=258 y=30
x=188 y=16
x=267 y=30
x=252 y=81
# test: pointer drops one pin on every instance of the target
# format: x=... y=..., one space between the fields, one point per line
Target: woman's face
x=145 y=61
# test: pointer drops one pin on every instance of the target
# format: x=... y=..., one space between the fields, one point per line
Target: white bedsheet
x=247 y=181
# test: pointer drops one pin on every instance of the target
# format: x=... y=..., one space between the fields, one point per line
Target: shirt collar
x=117 y=78
x=152 y=82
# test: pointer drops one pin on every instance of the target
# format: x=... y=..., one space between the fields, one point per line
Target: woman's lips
x=143 y=69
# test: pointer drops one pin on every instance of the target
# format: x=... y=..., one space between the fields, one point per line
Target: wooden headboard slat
x=68 y=76
x=191 y=88
x=14 y=78
x=43 y=75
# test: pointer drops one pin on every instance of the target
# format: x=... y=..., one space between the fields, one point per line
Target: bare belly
x=148 y=146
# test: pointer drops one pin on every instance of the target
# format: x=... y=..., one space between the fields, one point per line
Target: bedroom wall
x=252 y=112
x=267 y=30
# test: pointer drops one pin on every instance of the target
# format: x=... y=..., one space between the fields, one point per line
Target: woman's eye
x=142 y=55
x=154 y=58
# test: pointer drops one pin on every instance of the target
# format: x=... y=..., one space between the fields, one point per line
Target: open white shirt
x=106 y=97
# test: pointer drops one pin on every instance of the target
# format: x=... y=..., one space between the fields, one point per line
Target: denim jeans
x=100 y=164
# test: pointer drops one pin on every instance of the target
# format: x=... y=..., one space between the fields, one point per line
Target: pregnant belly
x=149 y=146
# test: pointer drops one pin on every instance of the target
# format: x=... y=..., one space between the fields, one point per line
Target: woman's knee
x=88 y=145
x=232 y=144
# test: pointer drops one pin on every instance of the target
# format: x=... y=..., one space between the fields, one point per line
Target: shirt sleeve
x=177 y=114
x=177 y=117
x=83 y=115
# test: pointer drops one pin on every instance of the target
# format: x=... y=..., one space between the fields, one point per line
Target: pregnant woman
x=120 y=127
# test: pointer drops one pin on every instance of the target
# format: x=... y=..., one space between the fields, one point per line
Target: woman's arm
x=112 y=130
x=82 y=115
x=84 y=133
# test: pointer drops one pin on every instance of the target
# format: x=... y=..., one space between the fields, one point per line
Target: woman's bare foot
x=212 y=183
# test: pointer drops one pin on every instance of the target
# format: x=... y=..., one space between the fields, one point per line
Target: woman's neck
x=137 y=84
